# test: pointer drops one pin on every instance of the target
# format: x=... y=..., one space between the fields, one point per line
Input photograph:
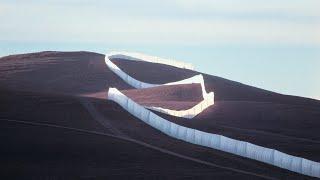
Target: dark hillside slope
x=70 y=89
x=49 y=136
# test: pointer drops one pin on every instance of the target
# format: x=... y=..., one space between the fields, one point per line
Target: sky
x=271 y=44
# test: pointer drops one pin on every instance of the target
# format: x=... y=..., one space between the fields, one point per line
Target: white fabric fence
x=208 y=98
x=215 y=141
x=147 y=58
x=189 y=113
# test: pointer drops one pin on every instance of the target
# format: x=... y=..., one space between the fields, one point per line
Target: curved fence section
x=208 y=98
x=189 y=113
x=215 y=141
x=147 y=58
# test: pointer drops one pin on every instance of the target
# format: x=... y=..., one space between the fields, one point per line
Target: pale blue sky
x=270 y=44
